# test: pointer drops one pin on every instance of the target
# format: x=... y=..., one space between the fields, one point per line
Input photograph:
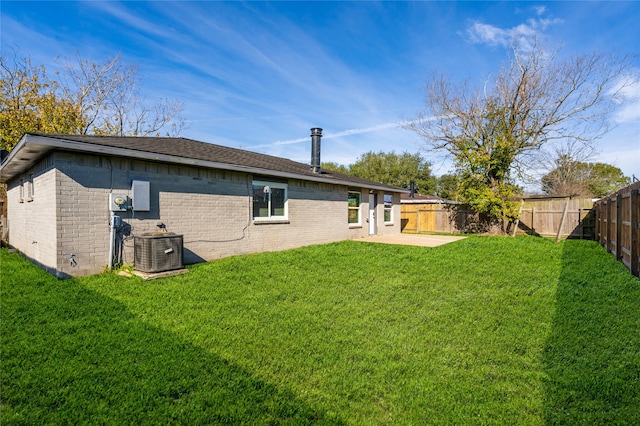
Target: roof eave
x=32 y=147
x=21 y=158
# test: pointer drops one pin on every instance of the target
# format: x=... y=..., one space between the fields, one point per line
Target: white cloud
x=540 y=10
x=342 y=133
x=522 y=35
x=628 y=89
x=348 y=132
x=484 y=33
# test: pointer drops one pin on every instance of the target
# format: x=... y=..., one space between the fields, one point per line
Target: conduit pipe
x=112 y=239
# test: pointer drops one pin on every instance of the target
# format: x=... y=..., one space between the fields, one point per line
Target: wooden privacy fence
x=617 y=228
x=558 y=217
x=546 y=217
x=438 y=218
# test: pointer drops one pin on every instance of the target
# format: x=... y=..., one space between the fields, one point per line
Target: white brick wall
x=31 y=223
x=210 y=208
x=83 y=220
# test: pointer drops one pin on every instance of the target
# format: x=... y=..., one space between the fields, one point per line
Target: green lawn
x=486 y=330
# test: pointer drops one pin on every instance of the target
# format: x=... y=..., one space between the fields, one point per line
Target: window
x=354 y=207
x=21 y=192
x=269 y=200
x=388 y=208
x=30 y=191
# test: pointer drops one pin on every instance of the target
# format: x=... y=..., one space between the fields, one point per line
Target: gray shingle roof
x=189 y=151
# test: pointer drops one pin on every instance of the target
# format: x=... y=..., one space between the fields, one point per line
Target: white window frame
x=387 y=207
x=21 y=191
x=358 y=208
x=270 y=185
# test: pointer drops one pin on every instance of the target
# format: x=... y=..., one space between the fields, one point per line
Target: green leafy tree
x=493 y=131
x=397 y=170
x=30 y=102
x=492 y=198
x=340 y=168
x=447 y=186
x=575 y=178
x=605 y=179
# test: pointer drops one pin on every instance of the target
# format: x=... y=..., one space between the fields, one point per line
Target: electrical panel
x=118 y=202
x=141 y=196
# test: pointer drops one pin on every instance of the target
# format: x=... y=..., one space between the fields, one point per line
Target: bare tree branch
x=496 y=131
x=111 y=102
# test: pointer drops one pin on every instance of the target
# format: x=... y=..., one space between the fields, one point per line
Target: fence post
x=607 y=230
x=618 y=226
x=515 y=226
x=596 y=231
x=533 y=227
x=601 y=223
x=580 y=224
x=635 y=270
x=564 y=215
x=604 y=224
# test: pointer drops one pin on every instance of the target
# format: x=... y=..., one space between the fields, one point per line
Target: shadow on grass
x=72 y=356
x=592 y=356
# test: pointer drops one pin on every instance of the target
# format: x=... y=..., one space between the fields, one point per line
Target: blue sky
x=258 y=75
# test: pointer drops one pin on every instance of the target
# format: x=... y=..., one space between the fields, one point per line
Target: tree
x=564 y=166
x=447 y=187
x=605 y=179
x=30 y=102
x=575 y=178
x=340 y=168
x=397 y=170
x=111 y=103
x=87 y=98
x=493 y=132
x=566 y=179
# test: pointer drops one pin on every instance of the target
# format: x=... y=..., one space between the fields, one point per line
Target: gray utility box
x=140 y=194
x=157 y=252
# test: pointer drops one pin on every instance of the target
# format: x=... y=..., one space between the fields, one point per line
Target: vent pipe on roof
x=316 y=134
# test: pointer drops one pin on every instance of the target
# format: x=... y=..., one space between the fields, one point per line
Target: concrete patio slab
x=411 y=239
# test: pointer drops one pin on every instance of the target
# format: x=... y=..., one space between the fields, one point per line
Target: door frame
x=373 y=204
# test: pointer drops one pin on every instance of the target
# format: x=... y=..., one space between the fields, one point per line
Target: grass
x=482 y=331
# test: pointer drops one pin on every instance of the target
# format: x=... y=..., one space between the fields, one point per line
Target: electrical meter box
x=140 y=196
x=118 y=202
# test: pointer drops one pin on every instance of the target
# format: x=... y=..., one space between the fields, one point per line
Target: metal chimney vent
x=316 y=134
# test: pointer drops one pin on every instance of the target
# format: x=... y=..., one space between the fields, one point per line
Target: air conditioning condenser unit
x=157 y=252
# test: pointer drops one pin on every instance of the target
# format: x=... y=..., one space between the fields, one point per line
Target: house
x=77 y=203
